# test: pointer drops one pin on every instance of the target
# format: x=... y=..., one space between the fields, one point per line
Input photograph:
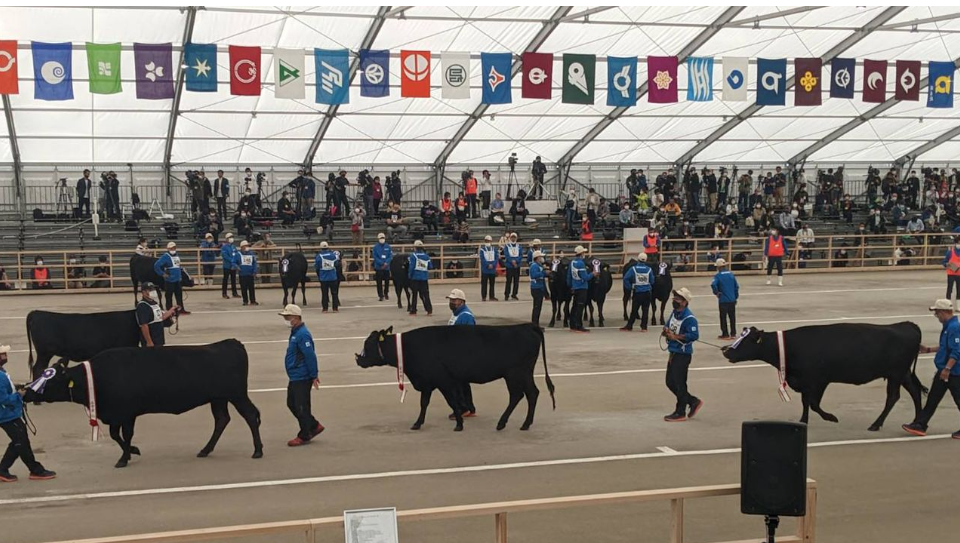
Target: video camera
x=62 y=182
x=261 y=177
x=512 y=161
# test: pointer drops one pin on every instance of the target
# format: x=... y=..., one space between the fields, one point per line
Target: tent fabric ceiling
x=220 y=128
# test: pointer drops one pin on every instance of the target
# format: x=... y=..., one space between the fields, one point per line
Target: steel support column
x=936 y=142
x=177 y=95
x=15 y=151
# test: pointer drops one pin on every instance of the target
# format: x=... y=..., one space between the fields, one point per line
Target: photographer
x=299 y=188
x=195 y=186
x=340 y=193
x=84 y=188
x=207 y=192
x=538 y=170
x=365 y=183
x=393 y=187
x=309 y=195
x=221 y=190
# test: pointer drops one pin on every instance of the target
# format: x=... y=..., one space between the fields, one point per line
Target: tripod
x=511 y=179
x=64 y=200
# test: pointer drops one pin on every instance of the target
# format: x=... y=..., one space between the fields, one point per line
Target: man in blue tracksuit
x=208 y=257
x=487 y=256
x=420 y=265
x=536 y=245
x=947 y=361
x=168 y=267
x=538 y=284
x=727 y=290
x=639 y=279
x=681 y=330
x=512 y=257
x=578 y=278
x=382 y=255
x=301 y=365
x=228 y=254
x=462 y=316
x=247 y=261
x=11 y=420
x=327 y=264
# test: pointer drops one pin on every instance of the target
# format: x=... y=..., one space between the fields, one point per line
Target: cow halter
x=401 y=376
x=782 y=370
x=92 y=404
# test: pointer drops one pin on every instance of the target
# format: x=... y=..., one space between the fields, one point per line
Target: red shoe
x=466 y=415
x=695 y=409
x=44 y=475
x=625 y=329
x=675 y=417
x=296 y=442
x=185 y=312
x=7 y=477
x=317 y=431
x=915 y=429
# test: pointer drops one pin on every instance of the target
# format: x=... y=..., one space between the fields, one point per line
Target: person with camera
x=309 y=195
x=340 y=193
x=13 y=424
x=299 y=187
x=377 y=196
x=151 y=318
x=393 y=187
x=84 y=188
x=207 y=193
x=538 y=170
x=168 y=267
x=365 y=183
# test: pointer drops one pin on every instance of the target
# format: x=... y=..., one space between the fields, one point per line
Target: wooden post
x=676 y=523
x=807 y=525
x=501 y=527
x=830 y=252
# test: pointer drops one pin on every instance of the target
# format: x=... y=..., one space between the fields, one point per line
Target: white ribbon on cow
x=401 y=376
x=91 y=403
x=782 y=370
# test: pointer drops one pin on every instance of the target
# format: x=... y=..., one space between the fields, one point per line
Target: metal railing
x=308 y=528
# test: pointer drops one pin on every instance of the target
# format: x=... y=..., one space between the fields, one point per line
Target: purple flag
x=154 y=63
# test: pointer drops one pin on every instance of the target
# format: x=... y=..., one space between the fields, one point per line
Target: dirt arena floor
x=606 y=435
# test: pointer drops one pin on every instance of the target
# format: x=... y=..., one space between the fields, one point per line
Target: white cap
x=228 y=235
x=172 y=245
x=721 y=262
x=683 y=293
x=942 y=305
x=513 y=234
x=4 y=348
x=642 y=257
x=535 y=242
x=381 y=236
x=291 y=310
x=457 y=294
x=418 y=243
x=487 y=238
x=537 y=254
x=244 y=243
x=579 y=249
x=208 y=236
x=324 y=245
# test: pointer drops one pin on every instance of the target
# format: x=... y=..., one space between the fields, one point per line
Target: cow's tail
x=30 y=344
x=916 y=380
x=546 y=372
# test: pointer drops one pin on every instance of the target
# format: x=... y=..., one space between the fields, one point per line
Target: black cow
x=293 y=272
x=77 y=336
x=443 y=357
x=130 y=382
x=627 y=291
x=142 y=271
x=839 y=353
x=399 y=270
x=662 y=290
x=560 y=295
x=598 y=288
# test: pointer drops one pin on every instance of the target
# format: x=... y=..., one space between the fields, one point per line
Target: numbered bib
x=327 y=264
x=452 y=321
x=640 y=278
x=157 y=314
x=674 y=324
x=513 y=251
x=246 y=260
x=422 y=265
x=175 y=262
x=488 y=255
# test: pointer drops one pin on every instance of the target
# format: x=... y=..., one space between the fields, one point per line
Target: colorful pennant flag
x=52 y=71
x=9 y=72
x=288 y=74
x=662 y=80
x=771 y=82
x=103 y=65
x=244 y=71
x=621 y=81
x=333 y=76
x=415 y=74
x=537 y=76
x=842 y=76
x=907 y=84
x=374 y=73
x=201 y=61
x=735 y=70
x=699 y=79
x=154 y=69
x=579 y=73
x=456 y=75
x=874 y=81
x=940 y=88
x=496 y=72
x=808 y=90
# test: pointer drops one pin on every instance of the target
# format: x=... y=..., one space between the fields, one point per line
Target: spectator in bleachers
x=876 y=222
x=788 y=221
x=221 y=191
x=209 y=250
x=75 y=274
x=210 y=224
x=470 y=189
x=243 y=225
x=326 y=225
x=395 y=225
x=486 y=189
x=519 y=208
x=356 y=225
x=805 y=241
x=461 y=207
x=428 y=214
x=4 y=280
x=141 y=247
x=840 y=257
x=847 y=209
x=569 y=210
x=40 y=275
x=626 y=216
x=642 y=202
x=496 y=210
x=462 y=233
x=101 y=272
x=915 y=228
x=446 y=208
x=84 y=189
x=377 y=195
x=673 y=211
x=285 y=211
x=592 y=200
x=586 y=229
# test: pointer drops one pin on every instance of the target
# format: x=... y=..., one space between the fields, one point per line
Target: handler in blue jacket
x=326 y=265
x=538 y=285
x=11 y=420
x=168 y=267
x=578 y=278
x=301 y=365
x=727 y=291
x=487 y=255
x=512 y=258
x=248 y=272
x=681 y=331
x=639 y=279
x=947 y=361
x=462 y=316
x=382 y=256
x=208 y=257
x=420 y=265
x=228 y=254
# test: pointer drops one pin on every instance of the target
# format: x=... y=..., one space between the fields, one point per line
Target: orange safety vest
x=955 y=262
x=775 y=246
x=652 y=242
x=471 y=185
x=41 y=274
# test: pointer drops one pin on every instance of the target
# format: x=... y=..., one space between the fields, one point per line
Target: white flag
x=735 y=79
x=288 y=73
x=456 y=75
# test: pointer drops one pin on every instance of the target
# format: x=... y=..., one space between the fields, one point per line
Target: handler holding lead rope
x=11 y=420
x=681 y=330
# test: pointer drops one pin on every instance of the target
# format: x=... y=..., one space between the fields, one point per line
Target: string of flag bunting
x=154 y=72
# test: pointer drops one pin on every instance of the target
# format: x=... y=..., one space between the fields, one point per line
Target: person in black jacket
x=84 y=188
x=285 y=210
x=340 y=193
x=221 y=190
x=207 y=193
x=538 y=170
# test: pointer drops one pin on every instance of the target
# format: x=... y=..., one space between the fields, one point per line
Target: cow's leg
x=133 y=448
x=532 y=393
x=251 y=414
x=515 y=387
x=805 y=417
x=283 y=283
x=815 y=397
x=424 y=402
x=451 y=394
x=915 y=389
x=589 y=311
x=554 y=309
x=221 y=417
x=893 y=395
x=627 y=296
x=123 y=436
x=303 y=291
x=600 y=302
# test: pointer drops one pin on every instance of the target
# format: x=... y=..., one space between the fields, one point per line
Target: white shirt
x=805 y=235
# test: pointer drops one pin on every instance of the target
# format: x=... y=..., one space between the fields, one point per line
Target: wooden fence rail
x=678 y=497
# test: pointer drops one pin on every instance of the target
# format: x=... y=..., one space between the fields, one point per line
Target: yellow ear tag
x=381 y=337
x=71 y=384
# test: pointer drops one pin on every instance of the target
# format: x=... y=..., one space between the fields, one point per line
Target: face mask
x=487 y=244
x=172 y=253
x=39 y=263
x=288 y=323
x=676 y=306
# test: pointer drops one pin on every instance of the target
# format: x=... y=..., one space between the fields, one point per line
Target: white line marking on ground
x=422 y=472
x=667 y=450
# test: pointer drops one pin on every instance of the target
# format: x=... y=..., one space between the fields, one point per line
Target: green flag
x=578 y=78
x=103 y=64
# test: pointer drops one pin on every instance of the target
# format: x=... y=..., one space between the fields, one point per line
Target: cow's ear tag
x=70 y=385
x=381 y=337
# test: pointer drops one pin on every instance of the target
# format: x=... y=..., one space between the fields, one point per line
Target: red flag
x=415 y=74
x=907 y=84
x=8 y=68
x=808 y=90
x=537 y=76
x=244 y=71
x=661 y=80
x=874 y=81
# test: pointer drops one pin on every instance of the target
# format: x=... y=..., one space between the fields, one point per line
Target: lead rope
x=91 y=403
x=782 y=369
x=401 y=376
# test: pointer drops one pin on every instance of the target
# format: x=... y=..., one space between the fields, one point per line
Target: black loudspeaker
x=773 y=469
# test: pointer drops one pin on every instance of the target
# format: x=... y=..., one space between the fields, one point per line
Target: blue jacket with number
x=301 y=358
x=685 y=324
x=725 y=287
x=639 y=278
x=949 y=346
x=537 y=277
x=578 y=275
x=419 y=275
x=208 y=252
x=512 y=260
x=325 y=264
x=11 y=403
x=250 y=268
x=382 y=255
x=228 y=254
x=170 y=265
x=488 y=260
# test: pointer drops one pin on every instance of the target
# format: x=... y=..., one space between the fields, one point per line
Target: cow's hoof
x=203 y=453
x=122 y=463
x=525 y=427
x=552 y=324
x=830 y=418
x=415 y=427
x=257 y=454
x=501 y=426
x=135 y=450
x=592 y=325
x=874 y=428
x=601 y=324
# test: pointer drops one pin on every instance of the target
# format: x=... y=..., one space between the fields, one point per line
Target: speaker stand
x=772 y=523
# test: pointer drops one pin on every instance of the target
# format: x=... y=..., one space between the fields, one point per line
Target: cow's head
x=372 y=353
x=56 y=384
x=748 y=346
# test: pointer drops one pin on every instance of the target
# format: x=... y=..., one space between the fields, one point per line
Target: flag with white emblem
x=288 y=74
x=154 y=69
x=907 y=84
x=940 y=88
x=735 y=79
x=374 y=73
x=244 y=70
x=699 y=79
x=771 y=82
x=9 y=80
x=103 y=66
x=333 y=76
x=496 y=70
x=52 y=70
x=875 y=81
x=201 y=61
x=621 y=81
x=537 y=76
x=456 y=75
x=579 y=72
x=842 y=75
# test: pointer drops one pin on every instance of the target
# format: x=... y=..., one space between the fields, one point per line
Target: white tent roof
x=224 y=129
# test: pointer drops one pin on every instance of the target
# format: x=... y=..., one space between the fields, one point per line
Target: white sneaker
x=768 y=281
x=780 y=282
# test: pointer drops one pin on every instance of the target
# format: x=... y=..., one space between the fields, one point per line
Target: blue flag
x=201 y=61
x=771 y=82
x=940 y=86
x=699 y=79
x=333 y=76
x=842 y=72
x=495 y=75
x=374 y=73
x=621 y=81
x=52 y=71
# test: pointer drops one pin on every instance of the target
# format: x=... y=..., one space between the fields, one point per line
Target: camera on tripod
x=61 y=183
x=512 y=161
